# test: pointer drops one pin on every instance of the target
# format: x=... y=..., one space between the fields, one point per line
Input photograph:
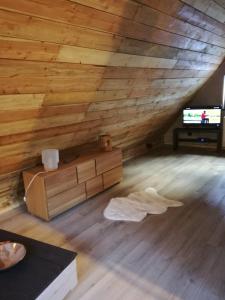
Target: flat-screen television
x=209 y=116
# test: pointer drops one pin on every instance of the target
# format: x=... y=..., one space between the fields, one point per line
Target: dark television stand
x=202 y=138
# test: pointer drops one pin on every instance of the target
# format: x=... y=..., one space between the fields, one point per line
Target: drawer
x=61 y=180
x=86 y=170
x=94 y=186
x=108 y=160
x=63 y=201
x=113 y=176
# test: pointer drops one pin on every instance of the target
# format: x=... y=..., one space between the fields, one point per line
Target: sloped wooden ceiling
x=73 y=69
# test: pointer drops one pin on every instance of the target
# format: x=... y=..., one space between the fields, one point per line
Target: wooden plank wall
x=73 y=69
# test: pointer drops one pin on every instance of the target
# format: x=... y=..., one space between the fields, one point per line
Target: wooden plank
x=79 y=97
x=187 y=13
x=79 y=128
x=22 y=69
x=72 y=54
x=67 y=12
x=5 y=52
x=208 y=7
x=14 y=48
x=87 y=96
x=48 y=31
x=101 y=96
x=153 y=17
x=154 y=83
x=123 y=8
x=196 y=17
x=123 y=72
x=27 y=49
x=14 y=102
x=187 y=64
x=45 y=84
x=71 y=13
x=30 y=125
x=165 y=6
x=23 y=86
x=11 y=115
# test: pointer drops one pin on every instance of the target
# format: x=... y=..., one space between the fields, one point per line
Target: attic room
x=112 y=170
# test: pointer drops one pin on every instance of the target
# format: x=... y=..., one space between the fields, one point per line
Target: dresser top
x=72 y=163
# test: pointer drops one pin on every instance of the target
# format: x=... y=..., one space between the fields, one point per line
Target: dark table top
x=30 y=277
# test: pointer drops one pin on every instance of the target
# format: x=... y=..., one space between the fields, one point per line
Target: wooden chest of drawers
x=52 y=193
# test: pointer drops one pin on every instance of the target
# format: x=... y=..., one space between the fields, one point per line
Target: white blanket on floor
x=137 y=205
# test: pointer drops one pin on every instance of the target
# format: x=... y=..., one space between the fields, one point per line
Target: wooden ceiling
x=73 y=69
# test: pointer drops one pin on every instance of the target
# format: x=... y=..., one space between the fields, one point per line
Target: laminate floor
x=179 y=255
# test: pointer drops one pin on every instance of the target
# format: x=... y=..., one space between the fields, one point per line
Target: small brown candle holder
x=105 y=142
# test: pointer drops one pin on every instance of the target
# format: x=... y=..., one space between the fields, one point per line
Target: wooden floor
x=177 y=255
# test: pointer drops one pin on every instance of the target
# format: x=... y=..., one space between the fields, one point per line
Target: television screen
x=202 y=116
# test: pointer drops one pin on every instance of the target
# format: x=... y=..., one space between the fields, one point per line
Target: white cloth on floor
x=160 y=199
x=121 y=210
x=137 y=205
